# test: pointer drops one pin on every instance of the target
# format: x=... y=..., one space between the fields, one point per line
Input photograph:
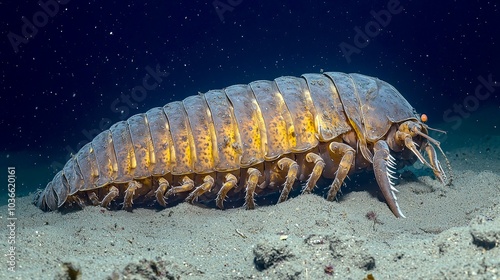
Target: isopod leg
x=230 y=183
x=160 y=192
x=129 y=194
x=208 y=182
x=319 y=165
x=93 y=198
x=253 y=179
x=112 y=194
x=407 y=139
x=381 y=161
x=293 y=169
x=187 y=185
x=436 y=165
x=345 y=164
x=75 y=199
x=409 y=129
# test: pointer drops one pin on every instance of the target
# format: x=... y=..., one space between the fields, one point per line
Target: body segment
x=248 y=140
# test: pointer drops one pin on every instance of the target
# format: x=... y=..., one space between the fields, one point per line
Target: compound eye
x=423 y=117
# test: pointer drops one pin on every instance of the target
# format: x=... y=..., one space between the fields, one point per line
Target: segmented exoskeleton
x=248 y=140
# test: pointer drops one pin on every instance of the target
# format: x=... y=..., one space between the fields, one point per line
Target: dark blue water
x=72 y=69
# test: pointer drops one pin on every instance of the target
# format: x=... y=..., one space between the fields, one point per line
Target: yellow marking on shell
x=93 y=170
x=148 y=143
x=322 y=127
x=172 y=150
x=152 y=156
x=182 y=140
x=302 y=111
x=189 y=155
x=113 y=165
x=151 y=153
x=280 y=130
x=215 y=152
x=237 y=149
x=133 y=161
x=292 y=139
x=145 y=160
x=311 y=126
x=200 y=126
x=110 y=165
x=165 y=148
x=225 y=126
x=274 y=114
x=230 y=139
x=289 y=126
x=262 y=127
x=192 y=148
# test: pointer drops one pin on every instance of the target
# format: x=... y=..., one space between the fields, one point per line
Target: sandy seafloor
x=449 y=233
